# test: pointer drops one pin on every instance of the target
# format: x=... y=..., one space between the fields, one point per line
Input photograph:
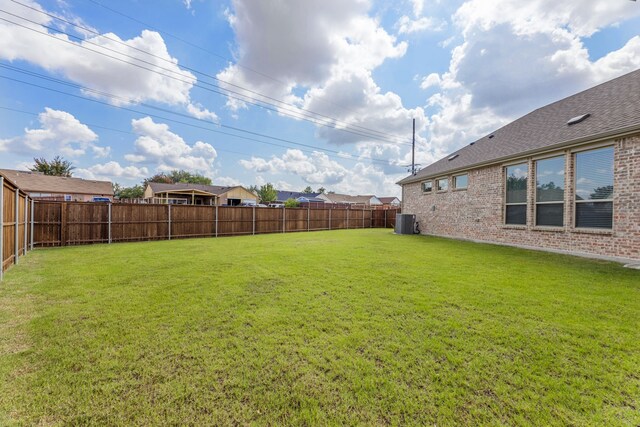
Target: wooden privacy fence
x=71 y=223
x=15 y=209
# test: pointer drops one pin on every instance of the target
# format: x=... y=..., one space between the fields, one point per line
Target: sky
x=318 y=93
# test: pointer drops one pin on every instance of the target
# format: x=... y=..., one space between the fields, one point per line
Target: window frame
x=525 y=203
x=574 y=155
x=446 y=179
x=535 y=193
x=455 y=181
x=422 y=187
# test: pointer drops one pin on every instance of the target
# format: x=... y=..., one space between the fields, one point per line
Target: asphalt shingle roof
x=38 y=183
x=158 y=187
x=612 y=106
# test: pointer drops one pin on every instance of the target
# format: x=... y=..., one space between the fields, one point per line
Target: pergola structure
x=190 y=196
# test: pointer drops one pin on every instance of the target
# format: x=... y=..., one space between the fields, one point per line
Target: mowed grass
x=328 y=328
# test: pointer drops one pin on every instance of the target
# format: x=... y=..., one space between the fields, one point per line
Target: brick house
x=565 y=177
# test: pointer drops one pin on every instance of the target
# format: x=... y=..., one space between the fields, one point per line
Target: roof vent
x=471 y=143
x=491 y=136
x=453 y=157
x=578 y=119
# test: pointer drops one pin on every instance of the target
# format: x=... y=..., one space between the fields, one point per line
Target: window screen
x=516 y=194
x=594 y=188
x=550 y=191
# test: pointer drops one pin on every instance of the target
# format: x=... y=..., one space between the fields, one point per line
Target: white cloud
x=59 y=133
x=406 y=25
x=158 y=79
x=110 y=170
x=100 y=152
x=326 y=52
x=318 y=170
x=158 y=146
x=418 y=7
x=514 y=57
x=199 y=112
x=431 y=80
x=227 y=181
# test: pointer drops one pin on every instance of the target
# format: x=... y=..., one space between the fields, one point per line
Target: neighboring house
x=564 y=177
x=346 y=199
x=198 y=194
x=390 y=202
x=299 y=196
x=58 y=188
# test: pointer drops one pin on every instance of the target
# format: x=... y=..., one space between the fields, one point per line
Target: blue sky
x=461 y=69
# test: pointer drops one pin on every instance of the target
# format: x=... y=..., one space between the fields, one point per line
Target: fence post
x=309 y=217
x=1 y=227
x=33 y=206
x=284 y=215
x=63 y=224
x=15 y=231
x=347 y=218
x=26 y=229
x=362 y=217
x=385 y=218
x=109 y=222
x=169 y=219
x=216 y=220
x=329 y=218
x=253 y=231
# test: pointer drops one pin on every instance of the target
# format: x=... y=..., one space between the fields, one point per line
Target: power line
x=96 y=126
x=164 y=110
x=336 y=154
x=166 y=33
x=307 y=115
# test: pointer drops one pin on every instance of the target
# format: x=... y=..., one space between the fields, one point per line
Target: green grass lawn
x=327 y=328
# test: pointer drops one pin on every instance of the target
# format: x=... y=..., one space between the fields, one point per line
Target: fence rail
x=77 y=223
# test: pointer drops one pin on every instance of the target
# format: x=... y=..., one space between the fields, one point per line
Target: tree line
x=58 y=166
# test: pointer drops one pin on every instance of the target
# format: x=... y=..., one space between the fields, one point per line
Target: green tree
x=56 y=167
x=321 y=190
x=159 y=177
x=267 y=193
x=254 y=189
x=291 y=203
x=308 y=190
x=135 y=192
x=178 y=176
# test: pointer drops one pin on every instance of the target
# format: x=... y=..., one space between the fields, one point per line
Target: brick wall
x=478 y=212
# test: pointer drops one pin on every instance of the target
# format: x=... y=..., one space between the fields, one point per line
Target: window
x=460 y=181
x=442 y=184
x=427 y=186
x=516 y=194
x=594 y=188
x=550 y=192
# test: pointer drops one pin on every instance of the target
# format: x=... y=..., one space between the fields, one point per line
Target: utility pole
x=413 y=149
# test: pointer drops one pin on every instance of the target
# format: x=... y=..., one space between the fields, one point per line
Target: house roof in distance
x=387 y=200
x=346 y=198
x=607 y=109
x=159 y=187
x=283 y=196
x=35 y=182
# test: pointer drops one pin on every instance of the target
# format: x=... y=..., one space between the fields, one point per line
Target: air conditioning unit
x=405 y=223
